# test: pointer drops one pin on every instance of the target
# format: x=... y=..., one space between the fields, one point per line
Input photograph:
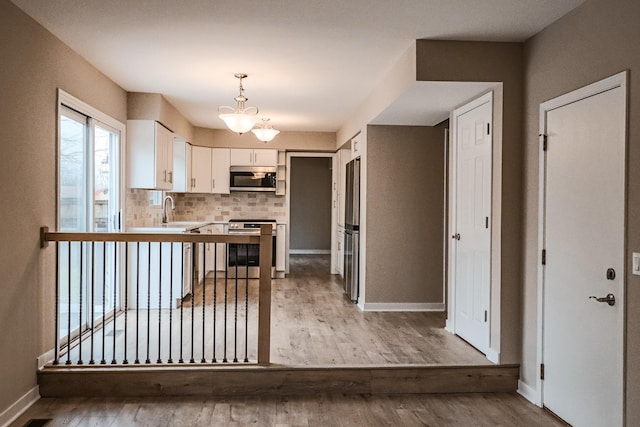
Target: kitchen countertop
x=170 y=227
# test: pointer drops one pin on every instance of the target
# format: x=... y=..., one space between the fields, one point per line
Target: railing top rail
x=57 y=236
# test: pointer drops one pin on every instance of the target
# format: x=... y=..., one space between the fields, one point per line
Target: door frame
x=316 y=154
x=492 y=354
x=615 y=81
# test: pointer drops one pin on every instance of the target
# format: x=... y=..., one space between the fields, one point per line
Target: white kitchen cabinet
x=153 y=280
x=356 y=146
x=181 y=166
x=192 y=167
x=187 y=262
x=221 y=251
x=215 y=254
x=265 y=157
x=281 y=251
x=220 y=162
x=250 y=157
x=201 y=180
x=149 y=155
x=281 y=174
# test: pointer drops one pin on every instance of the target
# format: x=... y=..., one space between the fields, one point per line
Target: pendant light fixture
x=265 y=132
x=239 y=119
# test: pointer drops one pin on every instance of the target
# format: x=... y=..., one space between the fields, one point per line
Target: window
x=89 y=200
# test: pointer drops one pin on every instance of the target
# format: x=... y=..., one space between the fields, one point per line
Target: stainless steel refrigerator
x=352 y=230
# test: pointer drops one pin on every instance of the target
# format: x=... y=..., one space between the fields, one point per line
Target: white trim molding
x=19 y=407
x=403 y=306
x=529 y=393
x=493 y=356
x=309 y=251
x=45 y=358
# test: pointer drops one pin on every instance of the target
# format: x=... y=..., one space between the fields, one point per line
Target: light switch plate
x=635 y=264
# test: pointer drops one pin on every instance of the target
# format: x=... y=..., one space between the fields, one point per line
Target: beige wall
x=405 y=213
x=599 y=39
x=154 y=106
x=297 y=141
x=34 y=65
x=494 y=62
x=310 y=201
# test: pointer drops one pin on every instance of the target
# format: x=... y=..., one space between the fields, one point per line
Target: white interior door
x=582 y=348
x=471 y=248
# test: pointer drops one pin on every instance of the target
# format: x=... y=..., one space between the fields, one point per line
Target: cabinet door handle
x=165 y=176
x=213 y=183
x=170 y=177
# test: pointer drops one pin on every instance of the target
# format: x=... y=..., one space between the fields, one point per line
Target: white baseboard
x=309 y=251
x=10 y=414
x=403 y=306
x=45 y=358
x=448 y=326
x=529 y=393
x=493 y=356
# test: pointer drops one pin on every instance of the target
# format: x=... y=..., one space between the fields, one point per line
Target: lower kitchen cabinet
x=281 y=247
x=155 y=275
x=216 y=255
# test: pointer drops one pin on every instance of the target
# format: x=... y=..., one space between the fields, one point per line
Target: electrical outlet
x=635 y=264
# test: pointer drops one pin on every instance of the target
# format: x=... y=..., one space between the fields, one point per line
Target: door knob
x=456 y=236
x=609 y=299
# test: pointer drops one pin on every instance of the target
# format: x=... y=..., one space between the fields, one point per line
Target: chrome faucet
x=164 y=207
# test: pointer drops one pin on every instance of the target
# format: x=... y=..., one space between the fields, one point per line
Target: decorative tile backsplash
x=222 y=207
x=141 y=212
x=140 y=209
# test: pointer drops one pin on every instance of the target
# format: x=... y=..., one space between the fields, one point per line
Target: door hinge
x=544 y=142
x=488 y=128
x=485 y=315
x=544 y=257
x=542 y=371
x=486 y=222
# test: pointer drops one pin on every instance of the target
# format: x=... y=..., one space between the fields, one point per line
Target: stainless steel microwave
x=252 y=178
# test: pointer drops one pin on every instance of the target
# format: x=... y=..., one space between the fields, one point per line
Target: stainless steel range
x=243 y=260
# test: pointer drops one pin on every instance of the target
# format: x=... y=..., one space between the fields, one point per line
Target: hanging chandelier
x=265 y=132
x=239 y=119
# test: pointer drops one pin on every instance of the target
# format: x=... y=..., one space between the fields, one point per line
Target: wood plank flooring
x=313 y=324
x=506 y=409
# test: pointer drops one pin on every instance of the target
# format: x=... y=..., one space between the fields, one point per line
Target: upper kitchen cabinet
x=281 y=174
x=149 y=155
x=192 y=167
x=356 y=146
x=220 y=162
x=201 y=180
x=181 y=166
x=250 y=157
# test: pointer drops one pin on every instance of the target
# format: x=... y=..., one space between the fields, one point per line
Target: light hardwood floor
x=502 y=409
x=313 y=324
